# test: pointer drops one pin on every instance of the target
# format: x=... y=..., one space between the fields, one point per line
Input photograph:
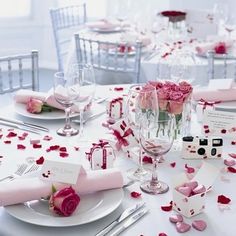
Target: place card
x=58 y=171
x=219 y=123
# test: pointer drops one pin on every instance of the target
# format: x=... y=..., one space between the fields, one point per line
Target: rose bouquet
x=37 y=106
x=174 y=16
x=175 y=99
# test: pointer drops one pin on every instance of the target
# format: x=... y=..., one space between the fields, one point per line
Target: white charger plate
x=92 y=207
x=20 y=109
x=106 y=30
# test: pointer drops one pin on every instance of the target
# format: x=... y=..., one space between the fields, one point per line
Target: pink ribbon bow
x=121 y=141
x=207 y=103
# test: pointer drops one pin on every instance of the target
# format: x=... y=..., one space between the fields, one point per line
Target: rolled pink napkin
x=103 y=24
x=23 y=95
x=35 y=188
x=215 y=95
x=205 y=47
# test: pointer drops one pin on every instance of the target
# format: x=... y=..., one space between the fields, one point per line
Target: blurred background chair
x=65 y=22
x=115 y=61
x=19 y=72
x=226 y=69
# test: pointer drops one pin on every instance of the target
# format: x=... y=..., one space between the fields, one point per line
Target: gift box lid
x=205 y=176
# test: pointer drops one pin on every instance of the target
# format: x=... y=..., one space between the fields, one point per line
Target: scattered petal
x=167 y=208
x=64 y=154
x=47 y=138
x=76 y=148
x=40 y=161
x=229 y=162
x=233 y=155
x=189 y=169
x=20 y=147
x=21 y=138
x=54 y=147
x=147 y=159
x=7 y=141
x=34 y=141
x=11 y=134
x=173 y=164
x=223 y=199
x=62 y=149
x=135 y=194
x=231 y=169
x=36 y=145
x=118 y=89
x=162 y=234
x=25 y=134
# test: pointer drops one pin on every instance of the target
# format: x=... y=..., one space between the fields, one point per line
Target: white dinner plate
x=105 y=30
x=92 y=207
x=20 y=109
x=112 y=51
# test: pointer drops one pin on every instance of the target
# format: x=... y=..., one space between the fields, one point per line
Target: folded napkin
x=205 y=47
x=23 y=95
x=103 y=24
x=215 y=95
x=133 y=37
x=27 y=189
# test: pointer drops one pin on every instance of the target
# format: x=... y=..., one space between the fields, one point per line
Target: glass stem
x=67 y=124
x=154 y=181
x=140 y=159
x=81 y=122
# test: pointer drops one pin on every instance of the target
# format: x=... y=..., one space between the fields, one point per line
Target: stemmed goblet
x=83 y=74
x=139 y=97
x=156 y=137
x=65 y=94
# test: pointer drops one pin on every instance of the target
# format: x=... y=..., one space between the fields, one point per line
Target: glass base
x=158 y=188
x=137 y=173
x=67 y=132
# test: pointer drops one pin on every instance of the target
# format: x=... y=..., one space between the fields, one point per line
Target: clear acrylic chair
x=65 y=22
x=226 y=66
x=19 y=72
x=121 y=58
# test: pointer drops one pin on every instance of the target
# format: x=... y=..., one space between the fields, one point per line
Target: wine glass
x=156 y=137
x=137 y=97
x=230 y=24
x=65 y=94
x=83 y=74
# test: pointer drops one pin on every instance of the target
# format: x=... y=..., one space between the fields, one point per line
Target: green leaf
x=53 y=189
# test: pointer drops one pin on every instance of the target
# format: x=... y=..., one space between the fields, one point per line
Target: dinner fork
x=20 y=171
x=33 y=167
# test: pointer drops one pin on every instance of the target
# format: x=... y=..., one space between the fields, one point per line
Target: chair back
x=65 y=22
x=19 y=72
x=112 y=57
x=226 y=66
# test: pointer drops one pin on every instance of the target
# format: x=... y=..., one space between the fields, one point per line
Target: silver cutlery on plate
x=128 y=212
x=89 y=117
x=138 y=215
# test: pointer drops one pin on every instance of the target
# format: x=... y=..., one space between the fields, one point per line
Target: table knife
x=19 y=122
x=122 y=217
x=130 y=221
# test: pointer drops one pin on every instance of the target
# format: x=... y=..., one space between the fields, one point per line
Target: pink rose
x=163 y=97
x=220 y=48
x=64 y=202
x=34 y=105
x=156 y=84
x=145 y=98
x=185 y=87
x=176 y=102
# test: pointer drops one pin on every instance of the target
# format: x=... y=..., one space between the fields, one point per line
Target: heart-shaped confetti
x=199 y=225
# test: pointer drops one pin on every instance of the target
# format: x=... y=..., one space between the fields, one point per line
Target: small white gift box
x=125 y=136
x=202 y=106
x=193 y=205
x=101 y=155
x=115 y=108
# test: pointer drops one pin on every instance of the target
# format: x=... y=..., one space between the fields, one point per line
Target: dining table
x=220 y=218
x=162 y=55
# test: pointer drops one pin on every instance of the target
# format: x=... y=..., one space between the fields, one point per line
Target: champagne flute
x=65 y=94
x=138 y=96
x=156 y=137
x=83 y=74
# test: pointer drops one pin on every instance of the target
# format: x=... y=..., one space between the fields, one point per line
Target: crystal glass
x=83 y=74
x=65 y=93
x=137 y=97
x=156 y=137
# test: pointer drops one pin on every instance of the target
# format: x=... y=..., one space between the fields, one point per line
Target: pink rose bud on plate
x=185 y=190
x=64 y=202
x=182 y=227
x=34 y=106
x=199 y=225
x=191 y=184
x=199 y=189
x=176 y=218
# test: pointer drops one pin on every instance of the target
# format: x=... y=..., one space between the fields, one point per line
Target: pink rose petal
x=11 y=134
x=47 y=138
x=185 y=190
x=21 y=147
x=7 y=141
x=36 y=145
x=64 y=154
x=135 y=194
x=176 y=218
x=189 y=169
x=199 y=225
x=182 y=227
x=223 y=199
x=173 y=164
x=229 y=162
x=40 y=161
x=231 y=169
x=233 y=155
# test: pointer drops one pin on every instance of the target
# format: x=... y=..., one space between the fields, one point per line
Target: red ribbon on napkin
x=121 y=141
x=207 y=103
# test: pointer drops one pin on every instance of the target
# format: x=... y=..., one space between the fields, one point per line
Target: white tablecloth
x=219 y=222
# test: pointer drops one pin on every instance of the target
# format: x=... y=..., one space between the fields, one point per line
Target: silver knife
x=122 y=217
x=19 y=122
x=130 y=221
x=19 y=127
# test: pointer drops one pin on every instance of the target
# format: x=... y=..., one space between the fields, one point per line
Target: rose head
x=64 y=202
x=145 y=97
x=34 y=106
x=185 y=87
x=176 y=102
x=220 y=48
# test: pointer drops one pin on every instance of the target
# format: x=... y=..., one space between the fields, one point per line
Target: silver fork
x=20 y=171
x=34 y=167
